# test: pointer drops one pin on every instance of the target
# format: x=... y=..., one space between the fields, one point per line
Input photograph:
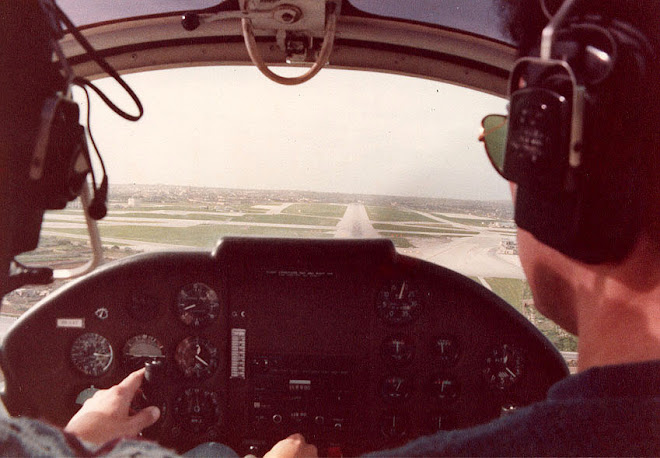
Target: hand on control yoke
x=107 y=414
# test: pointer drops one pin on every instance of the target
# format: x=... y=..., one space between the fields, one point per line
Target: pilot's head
x=42 y=154
x=24 y=88
x=620 y=183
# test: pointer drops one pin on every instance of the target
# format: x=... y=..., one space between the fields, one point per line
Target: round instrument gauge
x=398 y=302
x=197 y=409
x=398 y=350
x=444 y=389
x=140 y=402
x=394 y=425
x=141 y=349
x=197 y=304
x=395 y=388
x=196 y=357
x=504 y=366
x=446 y=350
x=92 y=354
x=142 y=306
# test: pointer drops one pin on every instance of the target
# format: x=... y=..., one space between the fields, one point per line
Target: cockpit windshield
x=222 y=151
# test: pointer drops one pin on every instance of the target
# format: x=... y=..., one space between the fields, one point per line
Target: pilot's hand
x=292 y=446
x=107 y=414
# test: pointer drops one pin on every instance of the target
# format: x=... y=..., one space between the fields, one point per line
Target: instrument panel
x=346 y=341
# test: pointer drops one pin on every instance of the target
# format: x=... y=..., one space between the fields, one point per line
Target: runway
x=473 y=255
x=355 y=224
x=476 y=255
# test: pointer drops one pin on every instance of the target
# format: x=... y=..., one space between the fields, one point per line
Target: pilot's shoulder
x=28 y=437
x=620 y=403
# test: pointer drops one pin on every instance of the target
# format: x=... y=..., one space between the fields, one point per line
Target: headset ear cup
x=590 y=208
x=66 y=163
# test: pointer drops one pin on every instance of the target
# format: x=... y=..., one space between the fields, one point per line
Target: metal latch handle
x=324 y=54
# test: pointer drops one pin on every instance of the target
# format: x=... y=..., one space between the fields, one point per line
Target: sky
x=343 y=131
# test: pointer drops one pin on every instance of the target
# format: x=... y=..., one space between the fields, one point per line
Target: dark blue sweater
x=605 y=411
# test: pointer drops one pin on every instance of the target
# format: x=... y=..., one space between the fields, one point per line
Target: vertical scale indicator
x=238 y=353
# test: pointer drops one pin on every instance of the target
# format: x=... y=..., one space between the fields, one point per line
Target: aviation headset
x=571 y=109
x=61 y=160
x=44 y=153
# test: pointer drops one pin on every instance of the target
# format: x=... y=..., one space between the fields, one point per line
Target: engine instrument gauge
x=140 y=349
x=197 y=409
x=398 y=350
x=446 y=350
x=444 y=389
x=196 y=357
x=440 y=421
x=396 y=389
x=142 y=307
x=398 y=302
x=92 y=354
x=394 y=425
x=197 y=304
x=140 y=402
x=504 y=366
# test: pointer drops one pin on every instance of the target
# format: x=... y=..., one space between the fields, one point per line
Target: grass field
x=287 y=219
x=54 y=249
x=435 y=225
x=394 y=214
x=201 y=235
x=191 y=216
x=514 y=291
x=66 y=211
x=399 y=240
x=468 y=221
x=406 y=228
x=187 y=207
x=315 y=209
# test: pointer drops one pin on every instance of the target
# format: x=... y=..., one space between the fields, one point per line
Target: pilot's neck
x=618 y=311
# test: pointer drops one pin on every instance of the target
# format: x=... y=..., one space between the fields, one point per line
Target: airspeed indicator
x=92 y=354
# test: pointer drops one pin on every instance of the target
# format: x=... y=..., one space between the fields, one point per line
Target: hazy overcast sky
x=344 y=131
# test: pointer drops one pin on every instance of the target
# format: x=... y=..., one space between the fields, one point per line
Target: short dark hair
x=525 y=19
